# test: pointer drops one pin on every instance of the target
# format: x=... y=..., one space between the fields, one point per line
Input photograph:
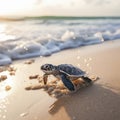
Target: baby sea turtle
x=65 y=72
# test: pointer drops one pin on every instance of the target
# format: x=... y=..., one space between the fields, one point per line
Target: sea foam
x=31 y=38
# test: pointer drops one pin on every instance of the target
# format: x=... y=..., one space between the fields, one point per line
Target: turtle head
x=48 y=68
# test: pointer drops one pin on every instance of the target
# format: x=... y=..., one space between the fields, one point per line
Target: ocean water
x=43 y=36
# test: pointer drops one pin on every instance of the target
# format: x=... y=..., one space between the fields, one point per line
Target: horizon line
x=15 y=18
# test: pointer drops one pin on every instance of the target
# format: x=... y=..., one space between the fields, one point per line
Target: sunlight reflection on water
x=2 y=27
x=4 y=93
x=3 y=109
x=3 y=84
x=3 y=35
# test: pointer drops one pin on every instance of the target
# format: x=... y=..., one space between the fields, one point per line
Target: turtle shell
x=71 y=70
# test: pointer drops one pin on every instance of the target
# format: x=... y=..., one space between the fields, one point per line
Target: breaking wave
x=36 y=37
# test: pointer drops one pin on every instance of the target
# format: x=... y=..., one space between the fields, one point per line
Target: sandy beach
x=100 y=101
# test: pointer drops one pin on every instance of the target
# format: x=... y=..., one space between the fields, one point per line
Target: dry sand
x=100 y=101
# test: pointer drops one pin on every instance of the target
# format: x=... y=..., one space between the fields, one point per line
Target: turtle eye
x=47 y=67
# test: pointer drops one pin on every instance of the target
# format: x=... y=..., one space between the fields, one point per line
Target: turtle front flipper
x=67 y=82
x=45 y=77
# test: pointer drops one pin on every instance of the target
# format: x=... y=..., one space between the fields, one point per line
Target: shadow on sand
x=92 y=103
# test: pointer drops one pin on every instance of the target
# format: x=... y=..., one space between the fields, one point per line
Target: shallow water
x=45 y=36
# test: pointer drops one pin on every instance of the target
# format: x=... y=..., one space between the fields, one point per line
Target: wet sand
x=99 y=101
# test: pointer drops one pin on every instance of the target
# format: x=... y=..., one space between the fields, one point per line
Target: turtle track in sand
x=55 y=87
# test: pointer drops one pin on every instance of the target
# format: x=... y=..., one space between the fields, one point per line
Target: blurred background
x=59 y=8
x=30 y=28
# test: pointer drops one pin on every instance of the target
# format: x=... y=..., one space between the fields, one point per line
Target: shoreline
x=97 y=102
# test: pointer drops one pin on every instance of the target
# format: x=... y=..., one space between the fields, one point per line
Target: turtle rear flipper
x=67 y=82
x=86 y=79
